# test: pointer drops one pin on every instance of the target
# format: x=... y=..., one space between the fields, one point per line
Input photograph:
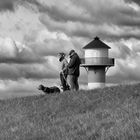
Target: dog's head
x=41 y=87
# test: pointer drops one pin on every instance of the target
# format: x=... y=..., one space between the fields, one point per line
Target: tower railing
x=97 y=61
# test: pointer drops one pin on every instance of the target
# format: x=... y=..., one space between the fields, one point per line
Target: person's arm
x=65 y=64
x=72 y=62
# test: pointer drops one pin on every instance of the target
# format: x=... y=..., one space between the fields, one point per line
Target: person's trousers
x=73 y=82
x=63 y=79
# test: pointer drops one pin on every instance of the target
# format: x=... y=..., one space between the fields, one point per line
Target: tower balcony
x=97 y=61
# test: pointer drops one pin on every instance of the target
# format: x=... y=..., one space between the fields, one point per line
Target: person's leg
x=63 y=82
x=66 y=82
x=71 y=82
x=76 y=83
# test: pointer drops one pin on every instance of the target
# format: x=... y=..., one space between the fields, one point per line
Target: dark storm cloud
x=116 y=37
x=100 y=13
x=10 y=5
x=109 y=32
x=77 y=17
x=135 y=1
x=90 y=12
x=97 y=15
x=7 y=5
x=62 y=14
x=72 y=19
x=97 y=12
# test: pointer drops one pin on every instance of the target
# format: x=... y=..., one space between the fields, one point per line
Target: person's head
x=61 y=56
x=71 y=53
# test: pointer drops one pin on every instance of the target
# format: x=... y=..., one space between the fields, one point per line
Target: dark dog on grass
x=49 y=90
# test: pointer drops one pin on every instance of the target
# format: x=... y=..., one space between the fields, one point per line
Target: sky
x=32 y=32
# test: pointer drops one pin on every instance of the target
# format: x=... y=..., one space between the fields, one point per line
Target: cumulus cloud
x=16 y=52
x=26 y=61
x=127 y=61
x=46 y=43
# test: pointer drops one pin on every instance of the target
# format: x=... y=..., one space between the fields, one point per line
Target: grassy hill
x=112 y=113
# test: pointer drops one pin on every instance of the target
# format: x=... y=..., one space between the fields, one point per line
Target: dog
x=49 y=90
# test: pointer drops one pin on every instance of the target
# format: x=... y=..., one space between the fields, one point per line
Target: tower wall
x=96 y=77
x=96 y=52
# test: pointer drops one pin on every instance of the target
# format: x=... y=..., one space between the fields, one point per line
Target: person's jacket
x=73 y=65
x=64 y=64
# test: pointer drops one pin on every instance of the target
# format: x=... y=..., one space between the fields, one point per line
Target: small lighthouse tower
x=96 y=62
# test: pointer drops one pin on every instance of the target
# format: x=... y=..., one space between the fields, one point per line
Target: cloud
x=46 y=43
x=60 y=11
x=14 y=24
x=19 y=61
x=83 y=11
x=89 y=22
x=7 y=5
x=37 y=60
x=9 y=72
x=72 y=29
x=135 y=1
x=49 y=70
x=127 y=61
x=15 y=52
x=118 y=13
x=12 y=5
x=69 y=28
x=87 y=18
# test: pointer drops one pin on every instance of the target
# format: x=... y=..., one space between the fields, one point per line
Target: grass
x=112 y=113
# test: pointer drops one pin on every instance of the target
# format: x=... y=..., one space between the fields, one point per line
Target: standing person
x=64 y=71
x=74 y=70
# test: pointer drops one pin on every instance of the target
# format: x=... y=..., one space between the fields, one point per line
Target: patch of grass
x=112 y=113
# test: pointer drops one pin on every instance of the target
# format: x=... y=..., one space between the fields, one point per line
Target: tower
x=96 y=62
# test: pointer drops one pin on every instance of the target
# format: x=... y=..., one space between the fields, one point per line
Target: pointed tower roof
x=96 y=43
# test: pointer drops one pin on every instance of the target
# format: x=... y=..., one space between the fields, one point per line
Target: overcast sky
x=32 y=32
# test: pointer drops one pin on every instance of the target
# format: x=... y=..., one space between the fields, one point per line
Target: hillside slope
x=111 y=113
